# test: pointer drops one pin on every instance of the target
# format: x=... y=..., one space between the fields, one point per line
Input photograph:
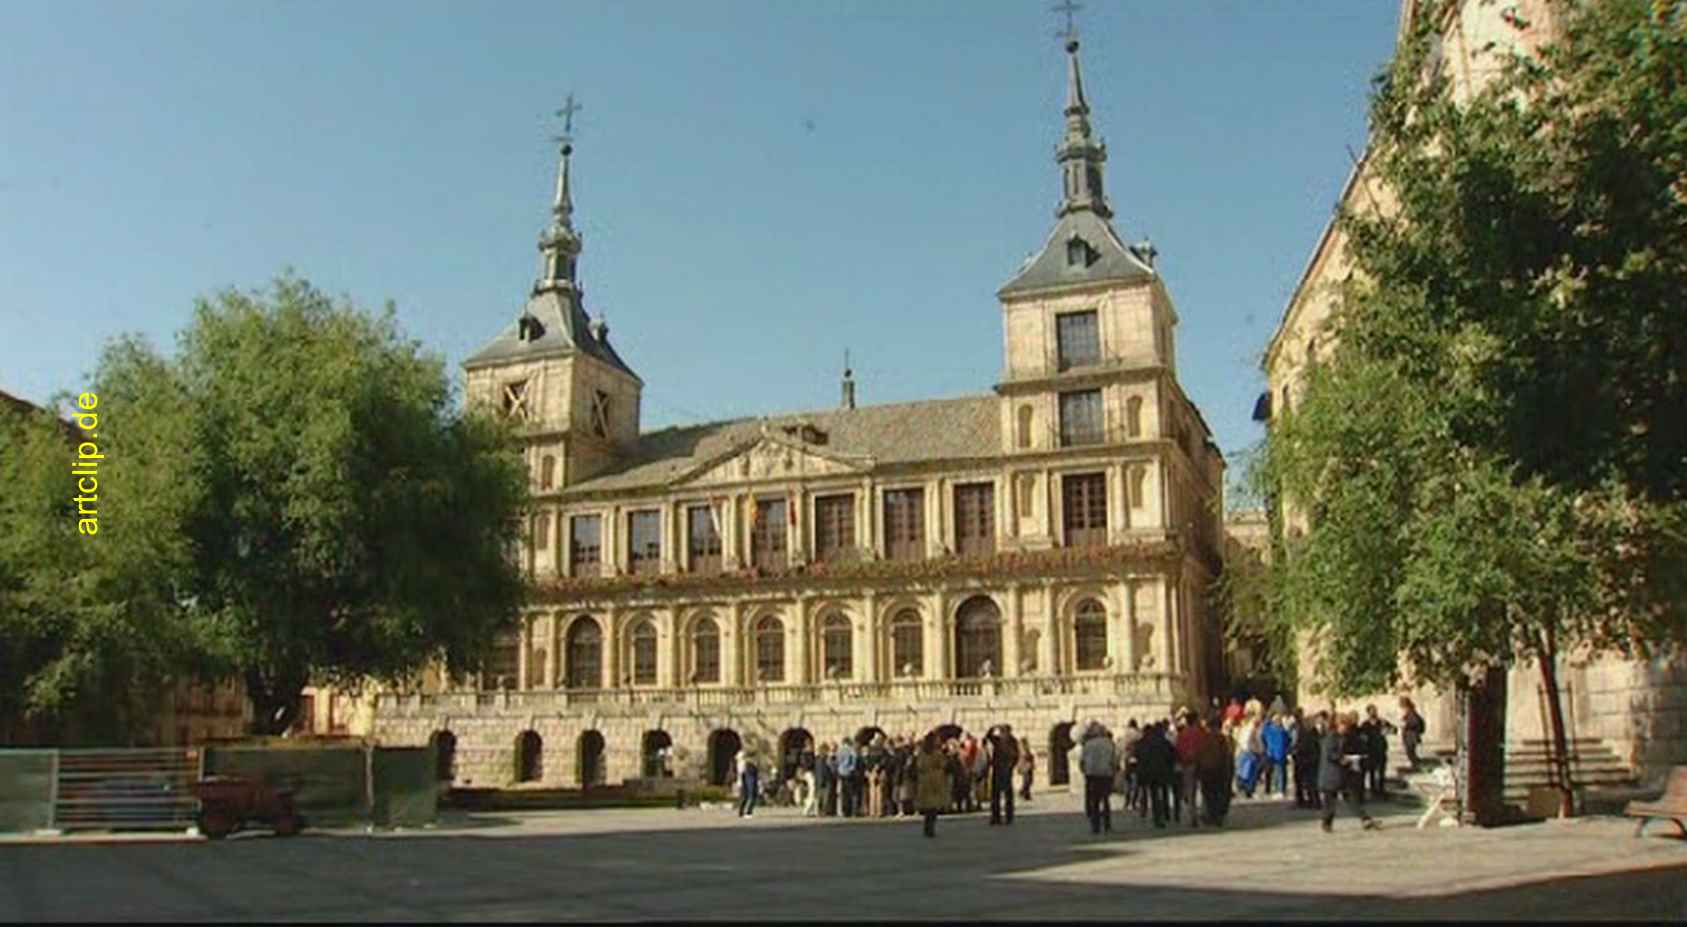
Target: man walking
x=1188 y=742
x=749 y=783
x=1155 y=762
x=849 y=778
x=1343 y=754
x=1004 y=756
x=1098 y=762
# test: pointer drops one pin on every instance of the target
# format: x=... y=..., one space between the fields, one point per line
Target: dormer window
x=1079 y=253
x=806 y=432
x=529 y=329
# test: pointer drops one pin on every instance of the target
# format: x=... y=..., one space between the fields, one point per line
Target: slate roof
x=936 y=429
x=566 y=329
x=1115 y=261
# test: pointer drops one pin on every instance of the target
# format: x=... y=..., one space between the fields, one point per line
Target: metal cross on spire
x=569 y=108
x=1070 y=9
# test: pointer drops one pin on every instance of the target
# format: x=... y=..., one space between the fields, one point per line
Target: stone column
x=524 y=643
x=1168 y=625
x=1128 y=612
x=1048 y=646
x=1015 y=630
x=611 y=650
x=873 y=668
x=667 y=650
x=553 y=636
x=800 y=646
x=732 y=653
x=937 y=639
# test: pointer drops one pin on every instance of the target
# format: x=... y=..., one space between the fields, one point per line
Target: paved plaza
x=1272 y=862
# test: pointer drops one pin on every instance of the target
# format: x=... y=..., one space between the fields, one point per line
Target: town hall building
x=1039 y=554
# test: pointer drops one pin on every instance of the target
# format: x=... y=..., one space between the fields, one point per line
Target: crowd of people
x=1185 y=768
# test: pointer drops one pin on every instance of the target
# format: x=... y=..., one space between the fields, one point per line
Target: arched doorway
x=865 y=736
x=978 y=639
x=724 y=745
x=444 y=744
x=1060 y=741
x=791 y=744
x=651 y=751
x=591 y=759
x=529 y=757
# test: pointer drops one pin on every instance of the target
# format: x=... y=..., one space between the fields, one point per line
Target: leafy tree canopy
x=1493 y=463
x=307 y=498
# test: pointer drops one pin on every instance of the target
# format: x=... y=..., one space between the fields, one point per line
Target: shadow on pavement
x=1046 y=867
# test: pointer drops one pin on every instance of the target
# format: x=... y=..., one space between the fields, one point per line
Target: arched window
x=1027 y=494
x=1026 y=417
x=585 y=654
x=978 y=638
x=547 y=472
x=907 y=644
x=770 y=649
x=705 y=651
x=1138 y=476
x=542 y=531
x=644 y=653
x=1133 y=416
x=1089 y=633
x=837 y=658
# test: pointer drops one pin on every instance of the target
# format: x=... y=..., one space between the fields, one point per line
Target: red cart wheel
x=215 y=825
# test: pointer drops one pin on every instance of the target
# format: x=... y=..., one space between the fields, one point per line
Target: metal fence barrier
x=138 y=789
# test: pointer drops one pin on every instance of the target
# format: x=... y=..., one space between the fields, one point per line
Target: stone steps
x=1529 y=764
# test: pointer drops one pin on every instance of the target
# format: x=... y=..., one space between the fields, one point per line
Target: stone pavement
x=1271 y=862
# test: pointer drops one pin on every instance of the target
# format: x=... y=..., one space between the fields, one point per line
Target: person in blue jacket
x=1276 y=739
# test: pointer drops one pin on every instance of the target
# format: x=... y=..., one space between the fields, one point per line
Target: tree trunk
x=1555 y=713
x=275 y=701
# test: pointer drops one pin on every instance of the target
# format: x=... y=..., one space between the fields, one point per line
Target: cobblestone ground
x=1270 y=862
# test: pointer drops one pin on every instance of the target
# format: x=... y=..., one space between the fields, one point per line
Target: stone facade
x=1635 y=706
x=1038 y=555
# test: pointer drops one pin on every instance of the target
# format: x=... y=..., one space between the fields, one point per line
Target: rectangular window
x=503 y=664
x=1083 y=503
x=644 y=542
x=975 y=519
x=585 y=544
x=834 y=525
x=1081 y=418
x=904 y=524
x=1078 y=339
x=702 y=540
x=767 y=535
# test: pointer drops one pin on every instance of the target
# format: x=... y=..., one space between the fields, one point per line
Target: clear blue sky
x=760 y=184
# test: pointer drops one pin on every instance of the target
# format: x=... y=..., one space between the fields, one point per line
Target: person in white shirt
x=1098 y=761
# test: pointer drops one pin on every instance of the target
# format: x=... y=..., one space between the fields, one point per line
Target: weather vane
x=569 y=108
x=1070 y=9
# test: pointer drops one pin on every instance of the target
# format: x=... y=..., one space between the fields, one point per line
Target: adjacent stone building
x=1636 y=708
x=1039 y=554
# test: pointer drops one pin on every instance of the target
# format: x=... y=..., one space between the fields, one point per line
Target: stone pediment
x=773 y=456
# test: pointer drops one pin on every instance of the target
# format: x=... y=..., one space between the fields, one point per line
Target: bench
x=1671 y=806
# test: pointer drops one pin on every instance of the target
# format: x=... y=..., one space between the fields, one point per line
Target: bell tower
x=553 y=367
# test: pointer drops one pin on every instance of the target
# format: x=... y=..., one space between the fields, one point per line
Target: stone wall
x=486 y=741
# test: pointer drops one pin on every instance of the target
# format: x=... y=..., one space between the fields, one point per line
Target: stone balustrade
x=1132 y=687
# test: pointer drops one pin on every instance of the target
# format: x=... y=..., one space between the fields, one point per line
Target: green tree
x=325 y=508
x=1494 y=464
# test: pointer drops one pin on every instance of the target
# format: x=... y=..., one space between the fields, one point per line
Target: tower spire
x=559 y=244
x=1080 y=155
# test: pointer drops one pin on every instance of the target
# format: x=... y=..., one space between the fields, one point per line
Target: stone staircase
x=1593 y=765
